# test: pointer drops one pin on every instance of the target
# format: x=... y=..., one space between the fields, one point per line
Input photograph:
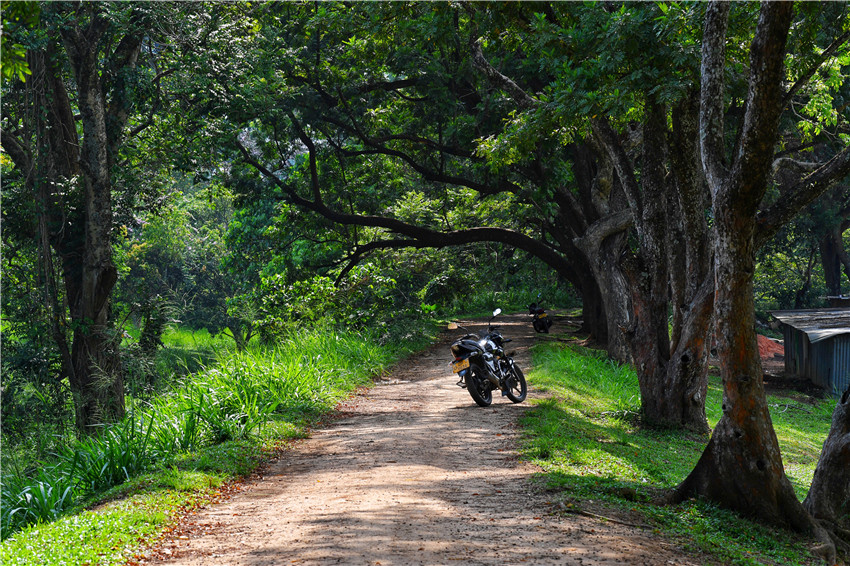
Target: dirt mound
x=768 y=347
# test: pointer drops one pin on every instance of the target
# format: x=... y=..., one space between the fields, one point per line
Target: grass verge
x=585 y=437
x=188 y=444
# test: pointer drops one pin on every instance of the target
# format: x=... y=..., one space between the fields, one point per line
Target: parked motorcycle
x=483 y=366
x=539 y=319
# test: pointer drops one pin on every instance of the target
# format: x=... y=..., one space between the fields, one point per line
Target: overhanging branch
x=810 y=187
x=417 y=236
x=522 y=98
x=828 y=52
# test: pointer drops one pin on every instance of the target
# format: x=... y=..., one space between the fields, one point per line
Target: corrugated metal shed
x=838 y=301
x=817 y=346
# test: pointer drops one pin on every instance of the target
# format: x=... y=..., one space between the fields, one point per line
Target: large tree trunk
x=691 y=269
x=599 y=228
x=834 y=258
x=73 y=183
x=647 y=270
x=741 y=468
x=97 y=382
x=603 y=255
x=829 y=495
x=671 y=255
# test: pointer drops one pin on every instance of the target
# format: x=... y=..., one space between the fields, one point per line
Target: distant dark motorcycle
x=539 y=319
x=483 y=366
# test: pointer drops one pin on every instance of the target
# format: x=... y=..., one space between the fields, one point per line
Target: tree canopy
x=244 y=166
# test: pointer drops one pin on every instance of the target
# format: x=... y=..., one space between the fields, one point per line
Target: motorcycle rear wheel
x=478 y=386
x=517 y=388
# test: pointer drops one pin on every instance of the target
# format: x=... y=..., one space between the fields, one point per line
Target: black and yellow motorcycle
x=483 y=366
x=539 y=319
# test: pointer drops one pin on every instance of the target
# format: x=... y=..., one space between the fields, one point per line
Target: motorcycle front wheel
x=517 y=388
x=478 y=386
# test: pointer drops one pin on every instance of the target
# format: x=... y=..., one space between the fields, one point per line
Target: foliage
x=13 y=64
x=41 y=498
x=109 y=457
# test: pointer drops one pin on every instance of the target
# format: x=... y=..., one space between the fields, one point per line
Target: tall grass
x=231 y=397
x=42 y=497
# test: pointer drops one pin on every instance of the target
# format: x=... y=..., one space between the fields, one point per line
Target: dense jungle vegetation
x=220 y=218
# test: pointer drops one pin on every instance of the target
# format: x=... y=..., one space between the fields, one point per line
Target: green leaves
x=17 y=18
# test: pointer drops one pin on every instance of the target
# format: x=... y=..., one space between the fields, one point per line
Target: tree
x=13 y=61
x=828 y=499
x=833 y=254
x=69 y=172
x=380 y=116
x=741 y=467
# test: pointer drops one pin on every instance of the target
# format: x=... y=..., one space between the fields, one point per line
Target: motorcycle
x=539 y=319
x=483 y=366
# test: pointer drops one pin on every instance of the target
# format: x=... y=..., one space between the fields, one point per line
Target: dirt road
x=413 y=472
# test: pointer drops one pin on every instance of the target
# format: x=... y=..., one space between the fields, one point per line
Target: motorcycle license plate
x=542 y=315
x=459 y=366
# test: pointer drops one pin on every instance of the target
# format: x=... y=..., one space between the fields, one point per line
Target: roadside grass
x=111 y=534
x=186 y=351
x=178 y=450
x=585 y=436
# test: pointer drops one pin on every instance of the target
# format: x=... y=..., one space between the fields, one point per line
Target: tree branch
x=810 y=187
x=622 y=164
x=20 y=154
x=607 y=226
x=711 y=99
x=828 y=52
x=503 y=185
x=754 y=155
x=154 y=107
x=522 y=98
x=426 y=237
x=311 y=148
x=389 y=86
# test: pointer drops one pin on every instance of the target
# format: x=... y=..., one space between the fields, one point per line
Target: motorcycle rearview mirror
x=497 y=312
x=453 y=326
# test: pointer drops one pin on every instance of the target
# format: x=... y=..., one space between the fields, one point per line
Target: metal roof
x=818 y=324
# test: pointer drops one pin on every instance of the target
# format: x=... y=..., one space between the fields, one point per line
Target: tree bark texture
x=671 y=263
x=829 y=495
x=72 y=179
x=97 y=383
x=741 y=468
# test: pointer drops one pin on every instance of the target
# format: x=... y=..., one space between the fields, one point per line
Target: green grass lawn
x=586 y=438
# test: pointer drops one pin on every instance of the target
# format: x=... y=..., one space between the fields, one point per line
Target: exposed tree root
x=827 y=548
x=835 y=547
x=575 y=511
